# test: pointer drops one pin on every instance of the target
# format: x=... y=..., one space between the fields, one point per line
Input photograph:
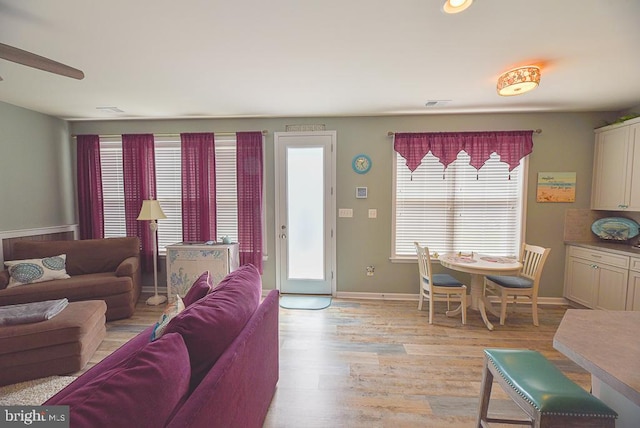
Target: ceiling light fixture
x=518 y=81
x=455 y=6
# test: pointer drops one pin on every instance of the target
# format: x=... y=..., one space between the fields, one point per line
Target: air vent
x=304 y=128
x=110 y=109
x=436 y=103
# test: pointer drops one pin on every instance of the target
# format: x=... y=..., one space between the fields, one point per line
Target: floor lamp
x=152 y=211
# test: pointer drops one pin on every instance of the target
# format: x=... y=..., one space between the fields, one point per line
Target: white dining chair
x=508 y=288
x=438 y=287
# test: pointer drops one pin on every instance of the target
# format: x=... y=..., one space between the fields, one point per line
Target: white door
x=305 y=212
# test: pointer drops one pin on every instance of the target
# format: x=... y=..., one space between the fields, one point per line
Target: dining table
x=478 y=266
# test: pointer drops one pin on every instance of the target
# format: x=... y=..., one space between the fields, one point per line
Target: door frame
x=331 y=203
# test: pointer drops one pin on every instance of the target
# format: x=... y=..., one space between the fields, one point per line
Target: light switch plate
x=373 y=213
x=345 y=212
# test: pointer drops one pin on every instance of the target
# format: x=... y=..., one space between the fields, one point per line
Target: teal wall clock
x=361 y=163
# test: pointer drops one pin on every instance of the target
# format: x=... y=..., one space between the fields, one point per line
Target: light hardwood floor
x=372 y=363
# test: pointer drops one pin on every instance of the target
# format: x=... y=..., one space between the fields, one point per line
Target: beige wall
x=35 y=170
x=566 y=144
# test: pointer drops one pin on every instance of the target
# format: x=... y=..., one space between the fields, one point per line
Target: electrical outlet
x=370 y=270
x=345 y=212
x=373 y=213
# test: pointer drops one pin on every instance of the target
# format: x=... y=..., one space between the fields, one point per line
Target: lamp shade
x=151 y=210
x=518 y=81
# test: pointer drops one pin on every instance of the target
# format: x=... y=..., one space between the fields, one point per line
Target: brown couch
x=100 y=269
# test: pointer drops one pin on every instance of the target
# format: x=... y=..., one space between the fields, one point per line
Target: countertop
x=623 y=249
x=605 y=343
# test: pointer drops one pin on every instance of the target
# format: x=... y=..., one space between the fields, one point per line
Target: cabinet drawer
x=634 y=264
x=601 y=257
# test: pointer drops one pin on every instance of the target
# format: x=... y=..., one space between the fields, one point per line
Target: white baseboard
x=376 y=296
x=558 y=301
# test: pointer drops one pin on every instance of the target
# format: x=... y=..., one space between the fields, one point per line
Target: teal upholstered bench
x=547 y=396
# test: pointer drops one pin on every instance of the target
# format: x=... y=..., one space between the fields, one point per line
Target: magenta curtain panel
x=89 y=178
x=139 y=176
x=511 y=146
x=198 y=187
x=249 y=164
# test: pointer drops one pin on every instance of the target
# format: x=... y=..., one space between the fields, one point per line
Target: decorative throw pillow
x=169 y=313
x=200 y=288
x=213 y=322
x=142 y=391
x=36 y=270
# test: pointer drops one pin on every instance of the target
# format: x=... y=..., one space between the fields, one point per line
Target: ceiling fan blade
x=36 y=61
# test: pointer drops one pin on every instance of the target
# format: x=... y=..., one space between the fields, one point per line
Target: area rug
x=33 y=392
x=305 y=302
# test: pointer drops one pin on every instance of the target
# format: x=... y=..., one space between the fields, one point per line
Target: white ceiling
x=287 y=58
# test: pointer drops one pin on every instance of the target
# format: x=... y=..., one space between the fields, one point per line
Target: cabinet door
x=581 y=281
x=610 y=176
x=634 y=147
x=612 y=288
x=633 y=292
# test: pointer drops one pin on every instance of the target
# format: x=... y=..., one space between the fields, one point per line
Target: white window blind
x=226 y=189
x=169 y=191
x=112 y=188
x=468 y=210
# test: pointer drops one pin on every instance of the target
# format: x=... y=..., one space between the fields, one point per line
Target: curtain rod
x=264 y=132
x=537 y=131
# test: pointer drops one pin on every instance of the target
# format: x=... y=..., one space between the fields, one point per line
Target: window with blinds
x=112 y=188
x=458 y=209
x=169 y=189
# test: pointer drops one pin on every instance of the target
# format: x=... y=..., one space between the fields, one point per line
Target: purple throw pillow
x=209 y=326
x=143 y=390
x=200 y=288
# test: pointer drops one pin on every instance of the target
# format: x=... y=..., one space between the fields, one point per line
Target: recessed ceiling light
x=455 y=6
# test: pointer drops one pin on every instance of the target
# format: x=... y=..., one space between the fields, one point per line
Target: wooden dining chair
x=508 y=288
x=440 y=287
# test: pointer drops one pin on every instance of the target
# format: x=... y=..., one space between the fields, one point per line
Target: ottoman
x=61 y=345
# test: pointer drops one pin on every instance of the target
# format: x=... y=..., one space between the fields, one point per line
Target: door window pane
x=305 y=196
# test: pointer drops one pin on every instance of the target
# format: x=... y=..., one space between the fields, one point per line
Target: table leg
x=455 y=312
x=478 y=300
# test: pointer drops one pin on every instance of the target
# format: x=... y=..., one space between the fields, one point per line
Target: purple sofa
x=215 y=365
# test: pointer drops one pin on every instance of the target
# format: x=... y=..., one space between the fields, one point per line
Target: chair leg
x=464 y=308
x=420 y=300
x=485 y=394
x=430 y=309
x=534 y=310
x=504 y=299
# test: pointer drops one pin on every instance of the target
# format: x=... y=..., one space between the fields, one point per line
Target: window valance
x=511 y=146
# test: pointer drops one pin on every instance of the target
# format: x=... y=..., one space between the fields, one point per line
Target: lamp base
x=156 y=300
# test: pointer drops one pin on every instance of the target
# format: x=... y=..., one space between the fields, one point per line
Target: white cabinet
x=187 y=261
x=633 y=287
x=616 y=167
x=596 y=279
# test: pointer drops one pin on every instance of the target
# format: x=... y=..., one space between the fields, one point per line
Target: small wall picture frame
x=556 y=187
x=361 y=192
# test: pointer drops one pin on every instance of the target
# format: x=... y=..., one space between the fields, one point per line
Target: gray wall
x=36 y=170
x=566 y=144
